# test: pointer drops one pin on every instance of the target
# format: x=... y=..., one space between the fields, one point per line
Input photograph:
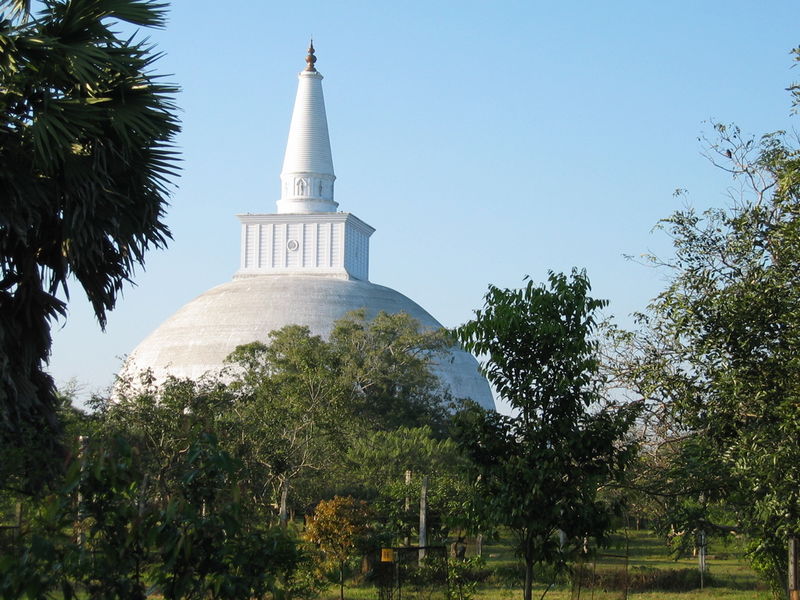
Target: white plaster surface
x=307 y=175
x=306 y=265
x=195 y=340
x=305 y=244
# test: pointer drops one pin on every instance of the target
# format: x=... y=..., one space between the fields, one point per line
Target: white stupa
x=307 y=264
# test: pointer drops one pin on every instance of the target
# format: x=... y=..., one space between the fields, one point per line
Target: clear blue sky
x=485 y=141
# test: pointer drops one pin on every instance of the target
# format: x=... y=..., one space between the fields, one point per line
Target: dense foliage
x=388 y=467
x=540 y=470
x=717 y=359
x=85 y=161
x=108 y=532
x=187 y=487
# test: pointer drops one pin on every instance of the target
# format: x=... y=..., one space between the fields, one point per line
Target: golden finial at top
x=311 y=59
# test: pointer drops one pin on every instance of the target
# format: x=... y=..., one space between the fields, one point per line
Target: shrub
x=641 y=579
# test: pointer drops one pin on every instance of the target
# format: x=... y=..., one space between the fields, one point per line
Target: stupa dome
x=304 y=265
x=196 y=339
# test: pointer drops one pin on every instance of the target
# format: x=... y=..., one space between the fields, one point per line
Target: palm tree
x=86 y=161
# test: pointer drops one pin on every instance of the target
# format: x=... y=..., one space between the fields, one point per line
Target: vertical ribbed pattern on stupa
x=307 y=175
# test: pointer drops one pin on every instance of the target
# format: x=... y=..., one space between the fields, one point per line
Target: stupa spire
x=311 y=59
x=307 y=174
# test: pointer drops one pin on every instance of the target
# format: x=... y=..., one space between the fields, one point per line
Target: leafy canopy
x=717 y=355
x=86 y=159
x=540 y=470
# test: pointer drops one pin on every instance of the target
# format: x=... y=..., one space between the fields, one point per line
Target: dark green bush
x=641 y=579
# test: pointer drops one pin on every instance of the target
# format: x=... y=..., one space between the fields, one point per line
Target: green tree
x=377 y=465
x=161 y=422
x=90 y=533
x=302 y=400
x=717 y=354
x=85 y=161
x=541 y=469
x=387 y=361
x=107 y=533
x=289 y=410
x=290 y=401
x=206 y=546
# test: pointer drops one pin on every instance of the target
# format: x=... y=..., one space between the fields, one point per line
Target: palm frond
x=18 y=9
x=87 y=164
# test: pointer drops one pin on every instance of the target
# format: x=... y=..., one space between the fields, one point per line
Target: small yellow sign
x=387 y=555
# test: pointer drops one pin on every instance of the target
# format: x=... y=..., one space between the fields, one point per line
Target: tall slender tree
x=541 y=469
x=86 y=159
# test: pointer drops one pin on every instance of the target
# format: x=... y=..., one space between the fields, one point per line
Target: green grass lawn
x=639 y=559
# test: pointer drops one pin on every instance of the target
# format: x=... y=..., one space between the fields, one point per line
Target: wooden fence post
x=423 y=518
x=794 y=572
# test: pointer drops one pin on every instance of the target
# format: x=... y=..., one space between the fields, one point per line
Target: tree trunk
x=341 y=580
x=17 y=538
x=701 y=556
x=794 y=570
x=407 y=507
x=528 y=579
x=423 y=518
x=284 y=514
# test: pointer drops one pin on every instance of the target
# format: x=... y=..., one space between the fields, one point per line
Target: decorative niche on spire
x=307 y=175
